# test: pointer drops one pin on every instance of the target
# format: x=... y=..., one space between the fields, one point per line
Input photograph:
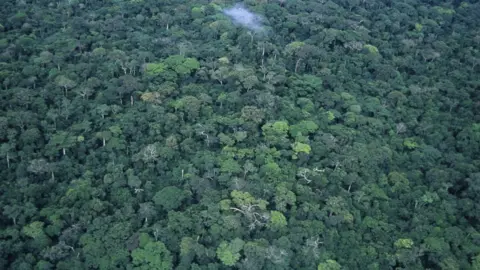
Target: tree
x=252 y=113
x=329 y=265
x=151 y=255
x=34 y=230
x=169 y=198
x=341 y=135
x=189 y=104
x=221 y=74
x=181 y=65
x=303 y=128
x=154 y=69
x=230 y=165
x=275 y=132
x=277 y=220
x=6 y=152
x=252 y=209
x=229 y=253
x=293 y=50
x=146 y=211
x=39 y=166
x=43 y=58
x=271 y=171
x=60 y=141
x=404 y=243
x=299 y=147
x=103 y=110
x=284 y=197
x=65 y=83
x=149 y=153
x=129 y=85
x=476 y=262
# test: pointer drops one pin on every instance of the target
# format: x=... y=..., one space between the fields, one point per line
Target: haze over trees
x=336 y=134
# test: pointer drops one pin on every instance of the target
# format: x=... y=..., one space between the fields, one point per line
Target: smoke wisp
x=240 y=15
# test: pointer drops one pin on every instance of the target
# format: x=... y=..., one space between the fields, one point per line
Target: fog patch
x=240 y=15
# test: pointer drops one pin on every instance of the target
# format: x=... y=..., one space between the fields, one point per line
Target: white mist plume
x=242 y=16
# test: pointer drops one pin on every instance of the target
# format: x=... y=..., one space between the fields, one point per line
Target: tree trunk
x=297 y=64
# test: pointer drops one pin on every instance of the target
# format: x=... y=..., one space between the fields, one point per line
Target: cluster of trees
x=143 y=135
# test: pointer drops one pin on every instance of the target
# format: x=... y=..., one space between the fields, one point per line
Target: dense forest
x=270 y=134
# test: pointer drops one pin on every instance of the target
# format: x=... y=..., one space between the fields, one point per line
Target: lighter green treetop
x=34 y=229
x=229 y=253
x=151 y=255
x=329 y=265
x=277 y=220
x=404 y=243
x=299 y=147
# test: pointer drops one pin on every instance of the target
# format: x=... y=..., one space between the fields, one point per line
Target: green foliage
x=279 y=128
x=303 y=128
x=65 y=82
x=443 y=10
x=404 y=243
x=197 y=12
x=143 y=240
x=230 y=166
x=398 y=181
x=429 y=197
x=418 y=27
x=186 y=246
x=435 y=244
x=277 y=220
x=410 y=143
x=177 y=63
x=299 y=147
x=272 y=171
x=284 y=197
x=476 y=262
x=229 y=252
x=306 y=104
x=371 y=49
x=355 y=108
x=34 y=230
x=275 y=132
x=330 y=116
x=191 y=64
x=252 y=113
x=240 y=198
x=60 y=141
x=43 y=265
x=294 y=46
x=476 y=131
x=329 y=265
x=153 y=69
x=160 y=135
x=169 y=198
x=182 y=65
x=153 y=255
x=314 y=82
